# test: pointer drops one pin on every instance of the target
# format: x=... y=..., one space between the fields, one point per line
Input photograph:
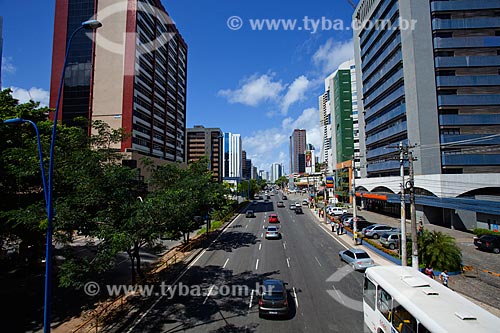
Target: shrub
x=479 y=232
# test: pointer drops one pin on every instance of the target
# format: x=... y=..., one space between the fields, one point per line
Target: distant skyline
x=261 y=83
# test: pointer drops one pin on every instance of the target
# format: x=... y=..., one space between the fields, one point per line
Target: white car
x=336 y=211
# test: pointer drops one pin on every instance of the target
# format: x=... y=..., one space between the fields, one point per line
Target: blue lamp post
x=48 y=186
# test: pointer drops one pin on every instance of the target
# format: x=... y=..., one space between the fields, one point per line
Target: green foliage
x=439 y=250
x=281 y=181
x=479 y=232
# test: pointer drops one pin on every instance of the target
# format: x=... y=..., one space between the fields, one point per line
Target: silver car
x=357 y=258
x=376 y=230
x=272 y=232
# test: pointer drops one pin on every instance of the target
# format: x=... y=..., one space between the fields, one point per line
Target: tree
x=439 y=250
x=282 y=181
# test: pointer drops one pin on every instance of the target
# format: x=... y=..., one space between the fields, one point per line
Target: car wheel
x=375 y=236
x=496 y=250
x=392 y=246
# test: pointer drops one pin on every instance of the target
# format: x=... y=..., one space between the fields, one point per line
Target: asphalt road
x=217 y=293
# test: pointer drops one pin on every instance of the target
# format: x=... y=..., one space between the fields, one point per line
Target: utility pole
x=402 y=150
x=354 y=208
x=413 y=212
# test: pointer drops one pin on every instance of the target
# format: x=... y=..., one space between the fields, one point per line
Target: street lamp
x=90 y=24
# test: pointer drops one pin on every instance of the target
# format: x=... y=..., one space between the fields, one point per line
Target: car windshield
x=271 y=229
x=362 y=255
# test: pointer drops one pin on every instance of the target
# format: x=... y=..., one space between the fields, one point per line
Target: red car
x=273 y=218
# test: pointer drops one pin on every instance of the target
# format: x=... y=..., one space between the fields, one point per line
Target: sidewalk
x=481 y=288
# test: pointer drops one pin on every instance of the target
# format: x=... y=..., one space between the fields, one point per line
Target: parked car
x=298 y=210
x=292 y=206
x=250 y=213
x=280 y=204
x=284 y=197
x=349 y=221
x=272 y=232
x=273 y=298
x=268 y=196
x=344 y=216
x=273 y=218
x=357 y=258
x=360 y=225
x=390 y=240
x=376 y=230
x=336 y=210
x=488 y=243
x=305 y=202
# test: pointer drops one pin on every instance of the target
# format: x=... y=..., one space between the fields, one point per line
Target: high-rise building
x=276 y=172
x=297 y=147
x=133 y=76
x=205 y=142
x=246 y=165
x=1 y=48
x=434 y=81
x=339 y=117
x=232 y=167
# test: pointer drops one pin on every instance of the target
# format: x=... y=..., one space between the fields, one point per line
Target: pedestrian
x=429 y=271
x=341 y=227
x=332 y=223
x=420 y=231
x=444 y=277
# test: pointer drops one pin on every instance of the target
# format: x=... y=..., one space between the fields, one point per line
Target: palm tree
x=439 y=250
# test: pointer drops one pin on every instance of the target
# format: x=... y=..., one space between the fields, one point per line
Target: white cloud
x=35 y=94
x=296 y=92
x=331 y=54
x=7 y=66
x=269 y=146
x=254 y=90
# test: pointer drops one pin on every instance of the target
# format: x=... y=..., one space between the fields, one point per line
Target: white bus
x=401 y=299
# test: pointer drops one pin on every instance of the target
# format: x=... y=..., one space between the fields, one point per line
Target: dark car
x=273 y=299
x=284 y=197
x=488 y=243
x=280 y=204
x=250 y=213
x=298 y=210
x=361 y=224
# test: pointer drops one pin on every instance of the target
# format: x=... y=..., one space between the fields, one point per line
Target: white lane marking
x=251 y=299
x=257 y=264
x=246 y=227
x=261 y=235
x=284 y=245
x=288 y=262
x=177 y=280
x=260 y=246
x=330 y=234
x=263 y=227
x=227 y=260
x=295 y=297
x=209 y=292
x=338 y=294
x=264 y=220
x=318 y=261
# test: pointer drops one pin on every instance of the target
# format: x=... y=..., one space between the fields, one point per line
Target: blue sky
x=259 y=83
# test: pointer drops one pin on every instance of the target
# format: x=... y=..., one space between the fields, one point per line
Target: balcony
x=383 y=56
x=467 y=81
x=469 y=119
x=379 y=152
x=470 y=159
x=470 y=139
x=386 y=68
x=388 y=83
x=466 y=23
x=385 y=118
x=383 y=166
x=367 y=43
x=447 y=6
x=468 y=100
x=467 y=61
x=393 y=131
x=392 y=97
x=470 y=42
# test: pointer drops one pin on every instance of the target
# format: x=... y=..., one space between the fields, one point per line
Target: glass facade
x=383 y=90
x=466 y=41
x=76 y=96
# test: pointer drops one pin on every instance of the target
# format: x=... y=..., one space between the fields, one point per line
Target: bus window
x=422 y=329
x=385 y=303
x=369 y=293
x=402 y=320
